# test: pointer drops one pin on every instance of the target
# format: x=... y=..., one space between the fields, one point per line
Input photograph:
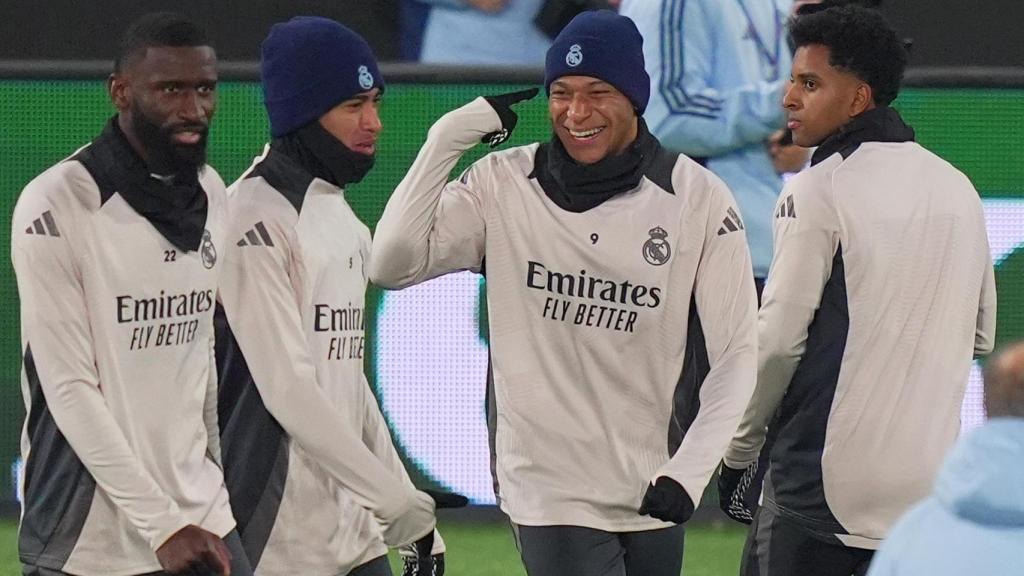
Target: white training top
x=117 y=330
x=597 y=320
x=293 y=291
x=880 y=293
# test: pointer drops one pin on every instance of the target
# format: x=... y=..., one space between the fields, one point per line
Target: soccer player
x=620 y=300
x=307 y=453
x=880 y=292
x=116 y=255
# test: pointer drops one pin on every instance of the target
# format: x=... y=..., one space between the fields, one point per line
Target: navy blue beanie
x=308 y=66
x=605 y=45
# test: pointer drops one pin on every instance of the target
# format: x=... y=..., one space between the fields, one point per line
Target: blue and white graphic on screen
x=431 y=367
x=431 y=375
x=1004 y=219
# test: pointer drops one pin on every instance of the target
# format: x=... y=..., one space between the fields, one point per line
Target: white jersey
x=293 y=294
x=880 y=293
x=598 y=320
x=118 y=380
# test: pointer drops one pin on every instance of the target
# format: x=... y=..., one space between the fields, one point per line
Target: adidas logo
x=44 y=225
x=256 y=236
x=786 y=209
x=730 y=223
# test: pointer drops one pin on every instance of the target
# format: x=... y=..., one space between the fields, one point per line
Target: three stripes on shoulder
x=731 y=222
x=256 y=236
x=44 y=225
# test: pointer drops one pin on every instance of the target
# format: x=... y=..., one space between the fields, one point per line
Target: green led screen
x=41 y=122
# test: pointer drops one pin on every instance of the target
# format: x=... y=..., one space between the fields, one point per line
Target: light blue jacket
x=717 y=71
x=974 y=522
x=459 y=34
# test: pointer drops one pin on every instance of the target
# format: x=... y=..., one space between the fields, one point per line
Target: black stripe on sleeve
x=58 y=490
x=254 y=446
x=797 y=483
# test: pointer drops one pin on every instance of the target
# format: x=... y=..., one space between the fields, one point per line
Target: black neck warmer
x=176 y=205
x=322 y=155
x=579 y=187
x=882 y=124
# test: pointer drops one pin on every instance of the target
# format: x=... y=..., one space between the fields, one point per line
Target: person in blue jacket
x=973 y=523
x=484 y=32
x=718 y=69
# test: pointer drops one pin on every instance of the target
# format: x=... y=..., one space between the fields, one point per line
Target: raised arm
x=430 y=228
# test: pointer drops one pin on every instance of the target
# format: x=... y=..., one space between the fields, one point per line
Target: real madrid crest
x=575 y=56
x=657 y=250
x=207 y=251
x=365 y=78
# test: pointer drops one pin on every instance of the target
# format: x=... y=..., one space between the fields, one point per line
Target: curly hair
x=861 y=42
x=826 y=4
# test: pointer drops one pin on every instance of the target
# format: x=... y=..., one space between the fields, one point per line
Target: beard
x=166 y=156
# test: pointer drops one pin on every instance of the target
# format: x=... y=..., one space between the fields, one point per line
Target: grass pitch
x=487 y=549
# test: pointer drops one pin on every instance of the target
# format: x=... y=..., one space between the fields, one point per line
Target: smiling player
x=620 y=300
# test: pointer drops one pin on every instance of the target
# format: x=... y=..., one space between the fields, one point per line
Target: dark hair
x=861 y=42
x=158 y=29
x=826 y=4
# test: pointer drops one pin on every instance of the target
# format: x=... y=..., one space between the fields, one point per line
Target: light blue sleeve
x=883 y=563
x=701 y=120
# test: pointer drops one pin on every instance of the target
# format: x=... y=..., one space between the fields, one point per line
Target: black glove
x=418 y=560
x=502 y=104
x=447 y=499
x=733 y=484
x=667 y=500
x=424 y=563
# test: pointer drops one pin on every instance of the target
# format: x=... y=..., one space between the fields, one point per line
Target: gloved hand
x=418 y=558
x=502 y=104
x=733 y=484
x=667 y=500
x=447 y=499
x=421 y=562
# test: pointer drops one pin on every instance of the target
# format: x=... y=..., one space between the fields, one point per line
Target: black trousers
x=778 y=547
x=239 y=562
x=379 y=566
x=578 y=551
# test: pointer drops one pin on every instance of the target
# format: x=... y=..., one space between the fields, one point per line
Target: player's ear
x=119 y=90
x=863 y=98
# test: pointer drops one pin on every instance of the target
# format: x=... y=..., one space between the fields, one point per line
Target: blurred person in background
x=115 y=250
x=495 y=32
x=620 y=301
x=484 y=32
x=973 y=523
x=880 y=293
x=316 y=484
x=412 y=22
x=718 y=71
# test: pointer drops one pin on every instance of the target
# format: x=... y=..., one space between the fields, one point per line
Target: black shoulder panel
x=99 y=166
x=660 y=169
x=285 y=176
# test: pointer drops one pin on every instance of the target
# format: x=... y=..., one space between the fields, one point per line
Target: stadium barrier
x=426 y=346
